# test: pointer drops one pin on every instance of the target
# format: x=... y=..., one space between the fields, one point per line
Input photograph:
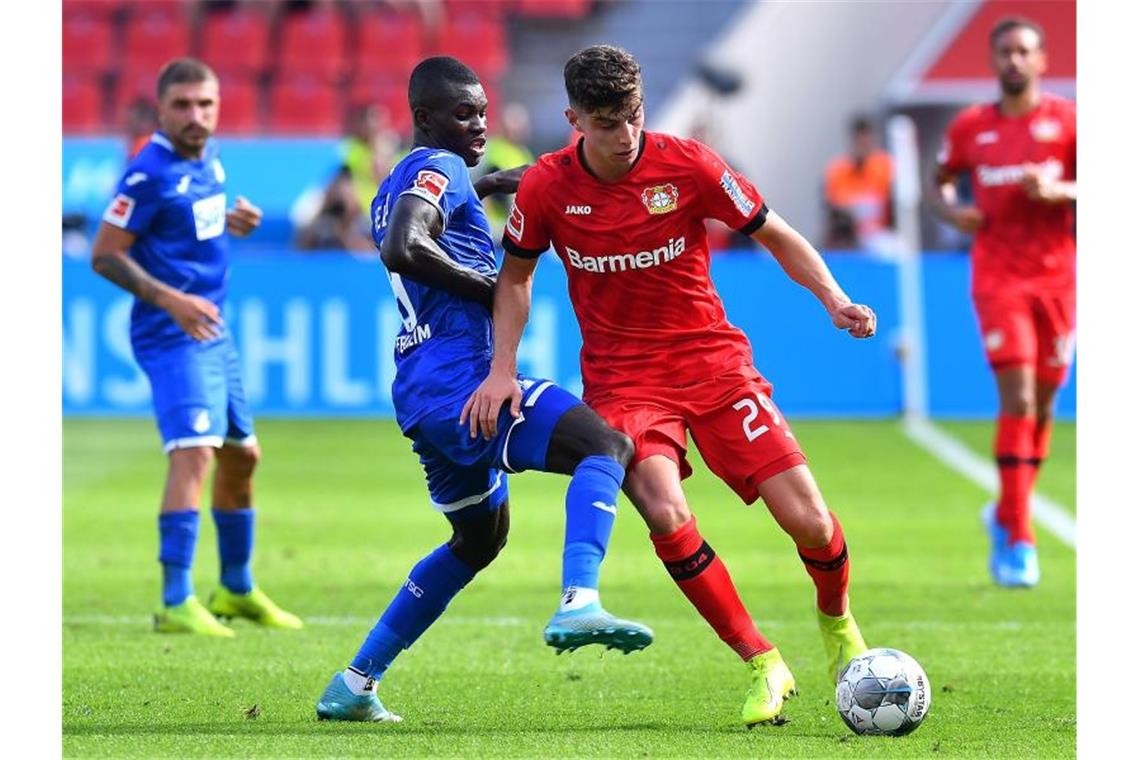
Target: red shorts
x=1029 y=330
x=737 y=428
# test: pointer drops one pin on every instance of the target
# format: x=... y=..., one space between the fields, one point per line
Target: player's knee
x=619 y=446
x=192 y=462
x=816 y=528
x=478 y=548
x=664 y=515
x=247 y=458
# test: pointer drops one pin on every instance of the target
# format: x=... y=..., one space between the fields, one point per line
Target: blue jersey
x=443 y=350
x=176 y=207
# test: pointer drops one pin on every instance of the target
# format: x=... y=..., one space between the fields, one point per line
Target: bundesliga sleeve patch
x=743 y=203
x=516 y=222
x=120 y=210
x=429 y=185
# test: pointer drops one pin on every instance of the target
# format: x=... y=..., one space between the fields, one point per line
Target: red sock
x=829 y=569
x=1042 y=435
x=704 y=580
x=1014 y=450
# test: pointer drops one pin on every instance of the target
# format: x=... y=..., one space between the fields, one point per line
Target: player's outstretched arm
x=198 y=317
x=505 y=181
x=512 y=308
x=942 y=199
x=805 y=266
x=410 y=250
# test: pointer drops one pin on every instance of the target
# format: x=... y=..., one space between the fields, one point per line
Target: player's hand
x=198 y=317
x=967 y=219
x=243 y=218
x=505 y=181
x=855 y=318
x=1039 y=187
x=482 y=410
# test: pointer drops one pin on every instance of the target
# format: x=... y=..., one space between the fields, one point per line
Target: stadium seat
x=235 y=41
x=391 y=93
x=82 y=104
x=568 y=9
x=104 y=9
x=240 y=107
x=479 y=42
x=305 y=104
x=313 y=42
x=86 y=41
x=388 y=43
x=155 y=34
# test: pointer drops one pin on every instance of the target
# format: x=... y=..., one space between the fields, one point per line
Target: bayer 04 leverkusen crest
x=660 y=199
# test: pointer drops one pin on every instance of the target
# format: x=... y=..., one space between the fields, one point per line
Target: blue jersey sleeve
x=136 y=201
x=443 y=181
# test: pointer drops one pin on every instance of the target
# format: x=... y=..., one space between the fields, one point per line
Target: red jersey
x=1023 y=245
x=637 y=259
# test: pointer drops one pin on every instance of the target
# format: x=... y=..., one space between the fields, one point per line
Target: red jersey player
x=1021 y=154
x=625 y=211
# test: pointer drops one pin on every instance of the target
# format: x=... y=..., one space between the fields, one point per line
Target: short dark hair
x=861 y=123
x=183 y=71
x=429 y=78
x=603 y=76
x=1010 y=23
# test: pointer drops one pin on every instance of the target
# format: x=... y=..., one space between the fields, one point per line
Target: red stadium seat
x=82 y=104
x=554 y=8
x=86 y=41
x=305 y=104
x=388 y=43
x=155 y=34
x=240 y=107
x=104 y=9
x=313 y=42
x=235 y=41
x=391 y=93
x=480 y=43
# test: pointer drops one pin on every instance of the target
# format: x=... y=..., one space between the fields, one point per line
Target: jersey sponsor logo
x=429 y=185
x=183 y=184
x=660 y=199
x=1012 y=174
x=743 y=203
x=120 y=210
x=622 y=262
x=415 y=336
x=579 y=210
x=210 y=216
x=1045 y=130
x=986 y=138
x=134 y=178
x=516 y=223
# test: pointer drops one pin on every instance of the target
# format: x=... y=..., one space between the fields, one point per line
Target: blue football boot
x=1019 y=566
x=593 y=625
x=339 y=703
x=999 y=540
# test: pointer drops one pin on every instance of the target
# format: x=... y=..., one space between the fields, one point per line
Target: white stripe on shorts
x=214 y=441
x=458 y=505
x=249 y=440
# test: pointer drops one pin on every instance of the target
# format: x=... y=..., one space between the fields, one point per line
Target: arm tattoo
x=128 y=275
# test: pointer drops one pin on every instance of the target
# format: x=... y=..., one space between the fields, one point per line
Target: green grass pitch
x=343 y=516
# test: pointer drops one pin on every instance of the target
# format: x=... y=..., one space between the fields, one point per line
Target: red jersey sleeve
x=525 y=232
x=952 y=155
x=728 y=195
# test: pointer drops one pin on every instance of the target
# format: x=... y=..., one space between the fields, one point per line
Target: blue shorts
x=466 y=476
x=198 y=397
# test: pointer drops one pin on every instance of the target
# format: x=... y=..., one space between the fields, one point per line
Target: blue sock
x=420 y=601
x=596 y=480
x=235 y=547
x=177 y=535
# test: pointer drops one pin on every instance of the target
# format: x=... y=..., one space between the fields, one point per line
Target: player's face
x=188 y=114
x=460 y=126
x=612 y=135
x=1017 y=59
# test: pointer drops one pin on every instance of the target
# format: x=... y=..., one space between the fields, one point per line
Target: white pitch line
x=955 y=455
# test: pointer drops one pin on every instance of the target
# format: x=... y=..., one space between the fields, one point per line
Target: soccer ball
x=883 y=692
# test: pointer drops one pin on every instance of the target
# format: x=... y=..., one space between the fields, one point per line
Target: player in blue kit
x=435 y=240
x=164 y=239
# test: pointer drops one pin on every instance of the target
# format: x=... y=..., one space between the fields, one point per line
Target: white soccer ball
x=883 y=692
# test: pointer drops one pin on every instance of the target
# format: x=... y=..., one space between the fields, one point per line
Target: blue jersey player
x=164 y=239
x=434 y=239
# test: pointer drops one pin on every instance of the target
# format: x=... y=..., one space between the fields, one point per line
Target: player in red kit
x=1021 y=155
x=624 y=209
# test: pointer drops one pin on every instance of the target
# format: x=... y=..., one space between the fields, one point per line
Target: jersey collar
x=161 y=139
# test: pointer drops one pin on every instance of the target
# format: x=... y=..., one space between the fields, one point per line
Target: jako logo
x=579 y=210
x=620 y=262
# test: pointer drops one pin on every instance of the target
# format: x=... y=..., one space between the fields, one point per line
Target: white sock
x=575 y=598
x=359 y=683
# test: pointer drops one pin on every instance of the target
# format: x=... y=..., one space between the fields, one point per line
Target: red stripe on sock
x=712 y=592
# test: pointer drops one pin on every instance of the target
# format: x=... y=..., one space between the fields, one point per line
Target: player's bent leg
x=182 y=612
x=581 y=444
x=238 y=596
x=794 y=500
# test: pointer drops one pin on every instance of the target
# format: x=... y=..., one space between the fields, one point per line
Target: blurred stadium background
x=314 y=111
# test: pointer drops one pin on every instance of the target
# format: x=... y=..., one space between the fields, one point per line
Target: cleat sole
x=625 y=641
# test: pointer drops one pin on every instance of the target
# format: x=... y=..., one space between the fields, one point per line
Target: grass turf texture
x=343 y=516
